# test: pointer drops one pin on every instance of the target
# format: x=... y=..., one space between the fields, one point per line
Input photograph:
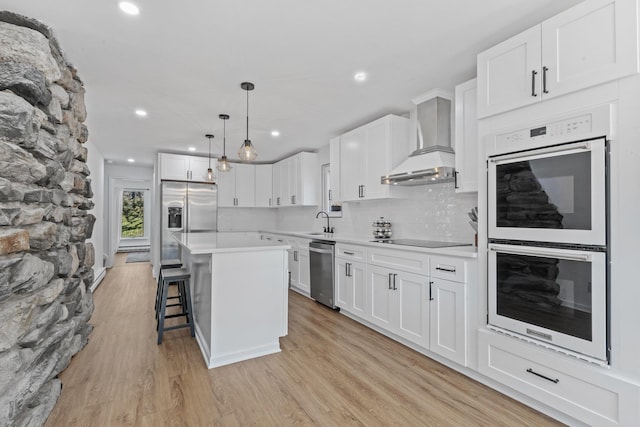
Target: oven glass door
x=552 y=194
x=554 y=295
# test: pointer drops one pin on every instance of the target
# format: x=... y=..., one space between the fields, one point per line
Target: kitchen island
x=239 y=293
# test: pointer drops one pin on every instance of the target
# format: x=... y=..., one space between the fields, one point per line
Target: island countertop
x=218 y=242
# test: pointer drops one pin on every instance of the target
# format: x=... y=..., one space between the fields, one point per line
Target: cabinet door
x=352 y=161
x=275 y=180
x=342 y=284
x=448 y=320
x=358 y=288
x=304 y=273
x=198 y=168
x=285 y=195
x=245 y=185
x=382 y=303
x=591 y=43
x=295 y=175
x=334 y=174
x=413 y=316
x=509 y=74
x=466 y=137
x=227 y=188
x=174 y=166
x=264 y=186
x=377 y=158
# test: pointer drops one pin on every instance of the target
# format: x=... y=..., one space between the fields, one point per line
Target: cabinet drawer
x=413 y=262
x=454 y=269
x=580 y=390
x=351 y=252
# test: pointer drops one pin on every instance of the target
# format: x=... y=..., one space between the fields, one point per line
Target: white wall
x=246 y=219
x=95 y=162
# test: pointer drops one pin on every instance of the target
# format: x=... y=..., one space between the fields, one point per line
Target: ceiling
x=183 y=62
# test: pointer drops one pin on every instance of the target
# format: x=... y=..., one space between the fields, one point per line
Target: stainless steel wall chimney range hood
x=432 y=161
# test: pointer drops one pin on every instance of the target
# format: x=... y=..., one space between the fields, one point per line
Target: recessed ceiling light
x=141 y=113
x=109 y=161
x=130 y=160
x=129 y=8
x=275 y=133
x=360 y=76
x=192 y=148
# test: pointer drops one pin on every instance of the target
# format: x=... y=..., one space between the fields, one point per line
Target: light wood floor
x=331 y=372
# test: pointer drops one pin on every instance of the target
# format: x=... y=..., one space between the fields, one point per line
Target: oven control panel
x=569 y=127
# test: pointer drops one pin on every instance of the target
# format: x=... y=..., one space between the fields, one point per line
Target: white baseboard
x=98 y=279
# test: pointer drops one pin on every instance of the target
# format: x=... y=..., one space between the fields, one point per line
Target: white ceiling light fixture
x=130 y=160
x=192 y=148
x=129 y=8
x=275 y=133
x=209 y=176
x=223 y=163
x=360 y=76
x=247 y=152
x=141 y=113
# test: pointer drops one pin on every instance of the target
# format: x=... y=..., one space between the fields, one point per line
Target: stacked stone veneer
x=45 y=264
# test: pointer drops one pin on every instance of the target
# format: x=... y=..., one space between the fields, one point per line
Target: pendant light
x=209 y=176
x=247 y=152
x=223 y=164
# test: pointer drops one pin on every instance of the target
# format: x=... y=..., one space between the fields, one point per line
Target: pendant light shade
x=223 y=162
x=247 y=151
x=209 y=176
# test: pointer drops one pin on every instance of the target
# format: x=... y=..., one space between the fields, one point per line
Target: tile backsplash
x=434 y=212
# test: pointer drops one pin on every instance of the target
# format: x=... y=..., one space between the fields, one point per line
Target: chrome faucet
x=328 y=228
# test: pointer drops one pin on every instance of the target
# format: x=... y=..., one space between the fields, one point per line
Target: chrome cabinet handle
x=347 y=269
x=295 y=255
x=448 y=270
x=394 y=281
x=390 y=274
x=270 y=204
x=278 y=201
x=348 y=253
x=553 y=380
x=455 y=180
x=330 y=198
x=430 y=294
x=533 y=82
x=544 y=79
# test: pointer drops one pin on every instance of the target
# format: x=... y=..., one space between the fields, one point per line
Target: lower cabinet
x=299 y=272
x=398 y=303
x=350 y=286
x=448 y=319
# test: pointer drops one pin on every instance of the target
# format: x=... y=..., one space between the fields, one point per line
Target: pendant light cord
x=209 y=152
x=247 y=114
x=224 y=138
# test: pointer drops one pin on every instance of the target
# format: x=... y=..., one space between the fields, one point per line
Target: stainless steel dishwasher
x=322 y=267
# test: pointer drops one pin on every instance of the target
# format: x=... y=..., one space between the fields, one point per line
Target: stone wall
x=45 y=264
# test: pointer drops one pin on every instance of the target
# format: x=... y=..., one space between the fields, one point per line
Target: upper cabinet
x=591 y=43
x=367 y=153
x=335 y=198
x=264 y=186
x=466 y=137
x=295 y=180
x=237 y=187
x=184 y=168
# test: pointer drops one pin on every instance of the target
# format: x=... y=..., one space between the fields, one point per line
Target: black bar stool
x=165 y=264
x=181 y=276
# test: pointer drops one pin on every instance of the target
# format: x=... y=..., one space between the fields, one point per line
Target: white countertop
x=459 y=251
x=212 y=242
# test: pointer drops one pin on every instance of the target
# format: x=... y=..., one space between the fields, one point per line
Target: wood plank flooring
x=332 y=371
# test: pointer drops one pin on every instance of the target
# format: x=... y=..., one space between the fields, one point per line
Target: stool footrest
x=186 y=325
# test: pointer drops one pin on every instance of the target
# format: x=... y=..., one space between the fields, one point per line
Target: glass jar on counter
x=381 y=228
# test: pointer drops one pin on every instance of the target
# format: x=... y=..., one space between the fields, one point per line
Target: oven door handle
x=538 y=252
x=555 y=149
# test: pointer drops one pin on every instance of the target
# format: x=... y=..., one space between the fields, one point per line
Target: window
x=132 y=214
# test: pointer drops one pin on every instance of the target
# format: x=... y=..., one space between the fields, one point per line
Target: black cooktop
x=421 y=243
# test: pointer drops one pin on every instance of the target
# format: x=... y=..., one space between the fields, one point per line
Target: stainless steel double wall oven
x=547 y=232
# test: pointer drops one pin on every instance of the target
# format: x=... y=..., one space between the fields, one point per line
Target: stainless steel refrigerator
x=186 y=207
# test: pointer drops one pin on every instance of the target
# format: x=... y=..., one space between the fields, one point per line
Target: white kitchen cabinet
x=350 y=286
x=369 y=152
x=264 y=186
x=296 y=180
x=594 y=42
x=466 y=137
x=334 y=168
x=448 y=319
x=179 y=167
x=299 y=266
x=398 y=303
x=236 y=188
